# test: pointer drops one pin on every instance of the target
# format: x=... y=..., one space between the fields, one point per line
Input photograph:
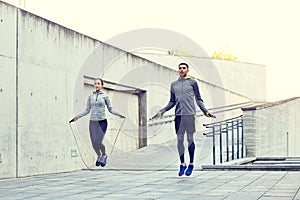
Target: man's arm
x=199 y=100
x=171 y=103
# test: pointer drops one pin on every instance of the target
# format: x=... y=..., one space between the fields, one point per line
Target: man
x=184 y=92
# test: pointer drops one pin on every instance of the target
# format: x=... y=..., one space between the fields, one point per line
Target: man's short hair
x=184 y=64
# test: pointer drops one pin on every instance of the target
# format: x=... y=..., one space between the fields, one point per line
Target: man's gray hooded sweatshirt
x=184 y=92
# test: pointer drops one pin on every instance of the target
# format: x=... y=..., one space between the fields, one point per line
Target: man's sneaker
x=189 y=170
x=181 y=170
x=98 y=161
x=103 y=161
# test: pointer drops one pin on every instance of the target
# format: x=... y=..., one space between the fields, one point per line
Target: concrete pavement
x=121 y=184
x=151 y=173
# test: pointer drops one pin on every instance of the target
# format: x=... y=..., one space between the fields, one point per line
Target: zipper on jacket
x=97 y=96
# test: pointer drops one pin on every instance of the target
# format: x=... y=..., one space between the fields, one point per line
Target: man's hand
x=159 y=114
x=208 y=114
x=73 y=120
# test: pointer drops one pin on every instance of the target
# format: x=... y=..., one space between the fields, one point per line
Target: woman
x=98 y=123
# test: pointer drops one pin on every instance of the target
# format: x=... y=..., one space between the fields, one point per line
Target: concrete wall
x=273 y=129
x=247 y=79
x=8 y=46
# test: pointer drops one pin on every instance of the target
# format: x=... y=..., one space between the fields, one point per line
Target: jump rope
x=75 y=132
x=77 y=144
x=112 y=150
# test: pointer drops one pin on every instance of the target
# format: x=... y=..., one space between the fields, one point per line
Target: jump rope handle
x=72 y=120
x=153 y=117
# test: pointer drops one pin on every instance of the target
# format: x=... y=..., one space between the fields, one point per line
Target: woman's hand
x=122 y=116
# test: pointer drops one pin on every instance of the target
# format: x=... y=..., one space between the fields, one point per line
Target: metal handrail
x=169 y=118
x=233 y=126
x=222 y=121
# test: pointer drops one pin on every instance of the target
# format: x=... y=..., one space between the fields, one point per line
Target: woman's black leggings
x=97 y=132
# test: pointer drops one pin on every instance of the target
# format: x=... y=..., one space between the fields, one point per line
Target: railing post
x=227 y=143
x=238 y=139
x=287 y=143
x=221 y=149
x=242 y=122
x=214 y=147
x=232 y=140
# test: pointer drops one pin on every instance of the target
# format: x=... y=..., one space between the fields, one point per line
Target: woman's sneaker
x=98 y=161
x=189 y=170
x=181 y=170
x=103 y=160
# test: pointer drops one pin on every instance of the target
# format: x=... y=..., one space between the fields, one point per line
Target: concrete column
x=250 y=132
x=142 y=119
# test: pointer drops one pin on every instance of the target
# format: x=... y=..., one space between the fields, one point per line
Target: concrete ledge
x=259 y=163
x=266 y=105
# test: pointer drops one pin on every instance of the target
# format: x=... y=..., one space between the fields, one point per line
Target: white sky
x=257 y=31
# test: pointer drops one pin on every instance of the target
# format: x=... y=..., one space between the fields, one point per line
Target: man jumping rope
x=184 y=92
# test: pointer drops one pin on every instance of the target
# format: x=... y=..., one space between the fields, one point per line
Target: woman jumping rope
x=98 y=123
